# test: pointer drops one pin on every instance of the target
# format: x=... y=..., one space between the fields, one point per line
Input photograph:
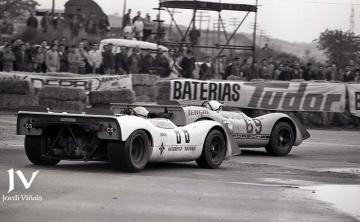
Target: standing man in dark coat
x=148 y=62
x=188 y=65
x=348 y=75
x=207 y=70
x=135 y=61
x=162 y=65
x=108 y=60
x=22 y=59
x=120 y=61
x=127 y=19
x=308 y=72
x=32 y=21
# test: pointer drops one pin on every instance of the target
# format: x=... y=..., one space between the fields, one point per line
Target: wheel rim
x=284 y=138
x=137 y=150
x=216 y=149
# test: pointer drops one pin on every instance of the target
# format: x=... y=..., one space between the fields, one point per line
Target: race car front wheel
x=132 y=155
x=35 y=149
x=281 y=140
x=214 y=150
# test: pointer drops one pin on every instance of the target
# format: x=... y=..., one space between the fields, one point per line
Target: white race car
x=129 y=141
x=277 y=132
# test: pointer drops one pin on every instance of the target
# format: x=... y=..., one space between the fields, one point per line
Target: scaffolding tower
x=197 y=5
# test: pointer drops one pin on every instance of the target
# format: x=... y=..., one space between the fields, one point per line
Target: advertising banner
x=272 y=95
x=86 y=82
x=354 y=99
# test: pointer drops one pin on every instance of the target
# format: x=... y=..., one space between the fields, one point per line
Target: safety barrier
x=15 y=94
x=318 y=104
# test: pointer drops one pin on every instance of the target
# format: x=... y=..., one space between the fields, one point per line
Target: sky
x=291 y=20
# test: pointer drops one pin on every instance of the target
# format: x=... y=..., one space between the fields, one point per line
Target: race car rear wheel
x=35 y=149
x=132 y=155
x=281 y=140
x=214 y=150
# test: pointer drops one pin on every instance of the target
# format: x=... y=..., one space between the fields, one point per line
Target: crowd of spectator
x=142 y=28
x=92 y=24
x=87 y=58
x=270 y=69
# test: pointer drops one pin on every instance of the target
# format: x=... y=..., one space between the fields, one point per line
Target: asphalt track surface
x=249 y=187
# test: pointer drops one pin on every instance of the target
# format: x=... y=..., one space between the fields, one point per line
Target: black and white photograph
x=180 y=110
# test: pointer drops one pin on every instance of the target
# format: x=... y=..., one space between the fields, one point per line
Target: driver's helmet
x=214 y=105
x=141 y=111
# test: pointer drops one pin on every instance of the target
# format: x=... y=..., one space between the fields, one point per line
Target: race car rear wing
x=174 y=113
x=36 y=123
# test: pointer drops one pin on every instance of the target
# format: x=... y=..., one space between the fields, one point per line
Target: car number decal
x=250 y=128
x=178 y=136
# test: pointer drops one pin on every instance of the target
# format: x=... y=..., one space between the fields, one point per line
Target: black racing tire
x=282 y=140
x=35 y=147
x=130 y=156
x=214 y=150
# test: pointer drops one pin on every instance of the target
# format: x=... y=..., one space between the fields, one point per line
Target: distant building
x=83 y=8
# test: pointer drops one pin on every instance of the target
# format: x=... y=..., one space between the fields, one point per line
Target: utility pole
x=352 y=19
x=215 y=41
x=219 y=24
x=208 y=33
x=254 y=37
x=124 y=9
x=202 y=17
x=234 y=23
x=53 y=9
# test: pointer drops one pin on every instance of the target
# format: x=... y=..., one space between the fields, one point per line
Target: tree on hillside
x=340 y=47
x=16 y=8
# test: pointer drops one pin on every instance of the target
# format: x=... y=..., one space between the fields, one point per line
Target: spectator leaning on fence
x=188 y=65
x=108 y=60
x=265 y=70
x=52 y=59
x=349 y=75
x=120 y=61
x=22 y=57
x=39 y=59
x=357 y=75
x=148 y=62
x=174 y=61
x=135 y=61
x=246 y=68
x=63 y=58
x=234 y=69
x=220 y=67
x=96 y=56
x=8 y=59
x=162 y=65
x=74 y=58
x=207 y=70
